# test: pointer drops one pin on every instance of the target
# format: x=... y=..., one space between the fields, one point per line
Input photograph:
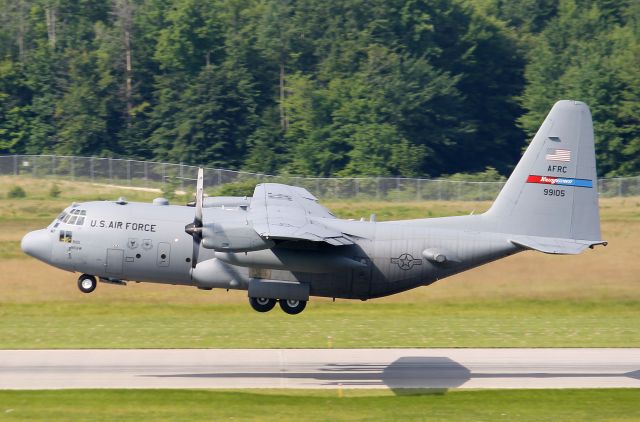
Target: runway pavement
x=320 y=368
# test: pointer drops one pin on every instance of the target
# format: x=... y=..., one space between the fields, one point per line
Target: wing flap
x=280 y=211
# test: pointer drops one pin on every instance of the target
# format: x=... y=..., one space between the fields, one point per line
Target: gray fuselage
x=147 y=243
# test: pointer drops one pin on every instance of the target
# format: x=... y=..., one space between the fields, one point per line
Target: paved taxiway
x=318 y=368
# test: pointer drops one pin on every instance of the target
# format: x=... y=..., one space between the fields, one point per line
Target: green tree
x=81 y=112
x=217 y=116
x=589 y=53
x=14 y=108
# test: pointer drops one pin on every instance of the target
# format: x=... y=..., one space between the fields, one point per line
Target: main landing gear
x=87 y=283
x=290 y=306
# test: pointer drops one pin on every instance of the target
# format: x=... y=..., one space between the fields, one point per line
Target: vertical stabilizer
x=552 y=192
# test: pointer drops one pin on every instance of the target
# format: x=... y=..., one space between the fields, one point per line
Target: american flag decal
x=554 y=154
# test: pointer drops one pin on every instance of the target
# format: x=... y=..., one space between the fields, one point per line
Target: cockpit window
x=74 y=217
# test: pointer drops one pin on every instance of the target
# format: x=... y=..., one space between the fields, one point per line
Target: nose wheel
x=87 y=283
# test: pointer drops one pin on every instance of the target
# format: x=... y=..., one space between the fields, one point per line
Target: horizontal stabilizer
x=554 y=245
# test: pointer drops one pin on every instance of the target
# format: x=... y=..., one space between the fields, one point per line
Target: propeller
x=195 y=229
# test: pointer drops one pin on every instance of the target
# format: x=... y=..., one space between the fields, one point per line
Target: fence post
x=146 y=173
x=110 y=171
x=91 y=168
x=129 y=172
x=15 y=164
x=620 y=187
x=73 y=167
x=418 y=195
x=181 y=177
x=53 y=165
x=600 y=185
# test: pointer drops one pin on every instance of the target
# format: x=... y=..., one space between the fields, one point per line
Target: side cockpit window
x=65 y=236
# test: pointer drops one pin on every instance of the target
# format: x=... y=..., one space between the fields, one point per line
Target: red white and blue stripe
x=560 y=181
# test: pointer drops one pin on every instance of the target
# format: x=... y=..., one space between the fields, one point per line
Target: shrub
x=243 y=188
x=55 y=191
x=169 y=188
x=16 y=192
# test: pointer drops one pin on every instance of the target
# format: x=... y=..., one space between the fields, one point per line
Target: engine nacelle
x=215 y=274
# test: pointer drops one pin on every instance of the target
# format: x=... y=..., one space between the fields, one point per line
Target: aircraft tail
x=550 y=202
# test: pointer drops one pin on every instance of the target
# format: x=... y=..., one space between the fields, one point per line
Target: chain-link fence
x=153 y=174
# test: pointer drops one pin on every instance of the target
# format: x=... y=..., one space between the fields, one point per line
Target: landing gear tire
x=262 y=304
x=87 y=283
x=291 y=306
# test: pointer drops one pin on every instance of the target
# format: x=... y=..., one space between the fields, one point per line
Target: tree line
x=347 y=87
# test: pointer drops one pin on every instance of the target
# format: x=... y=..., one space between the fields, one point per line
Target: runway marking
x=320 y=368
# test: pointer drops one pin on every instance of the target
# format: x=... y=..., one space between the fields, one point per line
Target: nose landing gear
x=87 y=283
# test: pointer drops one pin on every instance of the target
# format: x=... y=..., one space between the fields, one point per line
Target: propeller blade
x=195 y=229
x=199 y=197
x=196 y=249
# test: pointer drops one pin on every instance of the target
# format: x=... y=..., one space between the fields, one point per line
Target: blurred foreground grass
x=313 y=405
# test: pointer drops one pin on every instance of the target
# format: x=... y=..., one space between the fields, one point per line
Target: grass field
x=288 y=405
x=529 y=299
x=342 y=325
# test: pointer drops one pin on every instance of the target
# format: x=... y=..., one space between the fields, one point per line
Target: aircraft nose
x=37 y=244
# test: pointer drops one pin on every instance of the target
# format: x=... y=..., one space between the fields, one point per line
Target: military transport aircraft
x=282 y=246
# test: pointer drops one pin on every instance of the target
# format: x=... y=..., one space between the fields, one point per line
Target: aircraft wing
x=280 y=211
